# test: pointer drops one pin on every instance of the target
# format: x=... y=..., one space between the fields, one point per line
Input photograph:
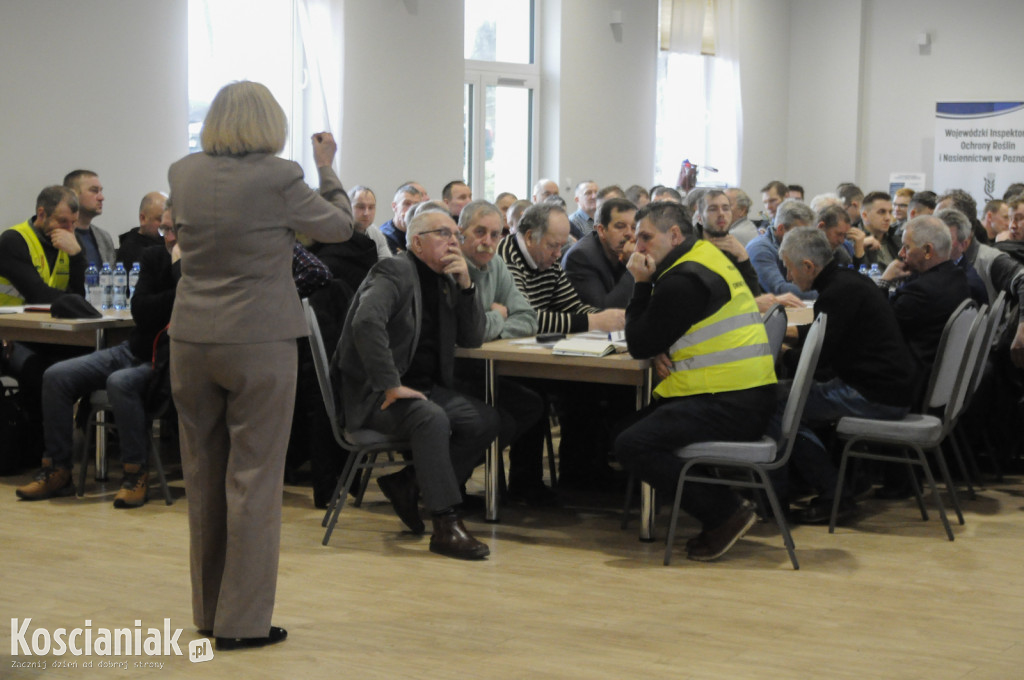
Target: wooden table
x=513 y=358
x=114 y=327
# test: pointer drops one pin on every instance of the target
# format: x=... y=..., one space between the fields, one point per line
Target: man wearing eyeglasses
x=395 y=367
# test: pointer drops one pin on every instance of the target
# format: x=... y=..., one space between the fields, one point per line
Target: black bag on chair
x=16 y=450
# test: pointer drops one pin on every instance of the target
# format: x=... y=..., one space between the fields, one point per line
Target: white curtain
x=321 y=32
x=699 y=108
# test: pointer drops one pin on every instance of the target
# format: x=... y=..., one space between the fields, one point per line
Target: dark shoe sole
x=230 y=644
x=459 y=555
x=413 y=521
x=62 y=492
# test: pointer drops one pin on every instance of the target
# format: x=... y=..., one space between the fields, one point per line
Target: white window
x=261 y=40
x=500 y=97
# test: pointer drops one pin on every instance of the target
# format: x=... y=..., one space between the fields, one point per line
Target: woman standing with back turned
x=233 y=348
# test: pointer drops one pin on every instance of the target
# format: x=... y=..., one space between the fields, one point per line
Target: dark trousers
x=449 y=432
x=647 y=447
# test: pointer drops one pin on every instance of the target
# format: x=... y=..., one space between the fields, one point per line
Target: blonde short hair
x=244 y=118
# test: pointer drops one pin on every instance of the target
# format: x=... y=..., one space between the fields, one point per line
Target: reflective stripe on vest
x=727 y=351
x=58 y=278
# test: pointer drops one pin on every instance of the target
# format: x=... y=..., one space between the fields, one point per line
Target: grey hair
x=806 y=243
x=792 y=210
x=406 y=189
x=416 y=220
x=536 y=219
x=474 y=210
x=743 y=201
x=935 y=229
x=822 y=201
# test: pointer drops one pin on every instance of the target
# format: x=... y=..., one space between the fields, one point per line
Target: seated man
x=97 y=243
x=864 y=351
x=876 y=222
x=739 y=206
x=406 y=196
x=41 y=259
x=147 y=234
x=395 y=363
x=582 y=221
x=124 y=372
x=847 y=243
x=685 y=288
x=932 y=288
x=764 y=250
x=508 y=315
x=955 y=209
x=532 y=256
x=596 y=265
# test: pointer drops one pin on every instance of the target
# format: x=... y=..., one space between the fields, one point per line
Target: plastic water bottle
x=133 y=278
x=93 y=292
x=863 y=269
x=875 y=273
x=120 y=287
x=106 y=286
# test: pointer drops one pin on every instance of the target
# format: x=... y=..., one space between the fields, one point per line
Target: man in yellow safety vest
x=694 y=316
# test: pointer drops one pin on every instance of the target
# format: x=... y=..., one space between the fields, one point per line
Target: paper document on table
x=580 y=345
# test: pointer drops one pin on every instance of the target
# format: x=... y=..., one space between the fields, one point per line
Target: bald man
x=132 y=243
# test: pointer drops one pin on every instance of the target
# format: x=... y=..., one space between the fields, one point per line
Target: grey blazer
x=382 y=330
x=236 y=218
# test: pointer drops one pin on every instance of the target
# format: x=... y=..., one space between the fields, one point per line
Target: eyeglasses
x=443 y=232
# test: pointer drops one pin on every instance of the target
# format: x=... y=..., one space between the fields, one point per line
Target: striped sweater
x=550 y=293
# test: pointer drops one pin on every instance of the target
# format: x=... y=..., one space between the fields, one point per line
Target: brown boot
x=49 y=482
x=450 y=538
x=134 y=486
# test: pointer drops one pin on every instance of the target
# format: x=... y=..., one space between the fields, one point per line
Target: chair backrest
x=801 y=387
x=950 y=354
x=323 y=376
x=992 y=321
x=965 y=376
x=775 y=323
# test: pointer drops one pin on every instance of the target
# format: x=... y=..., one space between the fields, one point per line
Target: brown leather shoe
x=49 y=482
x=401 y=489
x=450 y=538
x=134 y=487
x=710 y=545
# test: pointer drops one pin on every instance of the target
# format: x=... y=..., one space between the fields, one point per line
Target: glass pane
x=499 y=30
x=222 y=49
x=467 y=132
x=507 y=141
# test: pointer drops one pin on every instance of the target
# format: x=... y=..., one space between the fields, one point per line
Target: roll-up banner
x=979 y=147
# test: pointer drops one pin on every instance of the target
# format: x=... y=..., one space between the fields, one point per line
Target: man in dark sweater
x=146 y=235
x=124 y=372
x=871 y=371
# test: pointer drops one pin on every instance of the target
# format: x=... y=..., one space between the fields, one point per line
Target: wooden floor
x=565 y=594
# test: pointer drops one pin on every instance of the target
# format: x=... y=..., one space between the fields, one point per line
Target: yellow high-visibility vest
x=727 y=351
x=58 y=278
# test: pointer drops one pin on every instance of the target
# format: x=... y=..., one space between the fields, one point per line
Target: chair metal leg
x=959 y=435
x=552 y=466
x=90 y=434
x=915 y=485
x=159 y=465
x=935 y=490
x=944 y=469
x=847 y=450
x=951 y=440
x=780 y=519
x=627 y=505
x=341 y=494
x=345 y=471
x=670 y=538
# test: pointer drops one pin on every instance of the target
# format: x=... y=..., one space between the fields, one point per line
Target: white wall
x=764 y=39
x=605 y=94
x=91 y=85
x=402 y=95
x=861 y=95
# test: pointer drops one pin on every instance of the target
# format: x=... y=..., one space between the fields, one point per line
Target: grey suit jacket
x=382 y=330
x=236 y=220
x=105 y=244
x=596 y=281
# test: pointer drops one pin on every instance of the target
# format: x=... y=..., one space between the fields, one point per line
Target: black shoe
x=401 y=489
x=712 y=544
x=537 y=495
x=893 y=493
x=227 y=644
x=451 y=539
x=819 y=511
